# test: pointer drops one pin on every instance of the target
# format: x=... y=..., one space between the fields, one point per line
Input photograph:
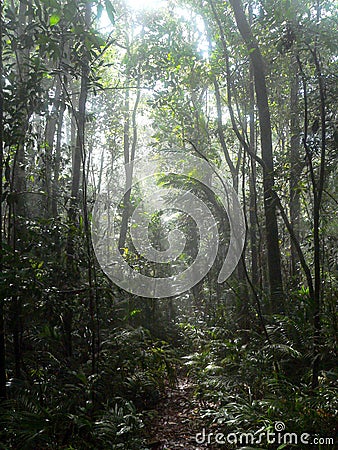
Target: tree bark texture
x=273 y=251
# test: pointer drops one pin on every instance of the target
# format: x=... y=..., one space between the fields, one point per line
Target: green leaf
x=54 y=19
x=135 y=312
x=110 y=11
x=82 y=377
x=99 y=11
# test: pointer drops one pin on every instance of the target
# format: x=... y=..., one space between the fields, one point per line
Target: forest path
x=178 y=420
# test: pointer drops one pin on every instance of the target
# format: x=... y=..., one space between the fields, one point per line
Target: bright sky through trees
x=146 y=4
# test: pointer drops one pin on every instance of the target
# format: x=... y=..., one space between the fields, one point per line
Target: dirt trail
x=178 y=420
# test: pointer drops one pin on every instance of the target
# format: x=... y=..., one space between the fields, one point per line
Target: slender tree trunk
x=273 y=251
x=233 y=171
x=19 y=173
x=129 y=156
x=126 y=152
x=78 y=150
x=57 y=163
x=296 y=165
x=101 y=172
x=318 y=189
x=77 y=163
x=2 y=321
x=253 y=193
x=318 y=194
x=18 y=207
x=253 y=176
x=50 y=130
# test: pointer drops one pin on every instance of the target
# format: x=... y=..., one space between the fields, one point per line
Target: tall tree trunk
x=19 y=175
x=129 y=156
x=126 y=153
x=296 y=165
x=253 y=175
x=78 y=154
x=18 y=207
x=233 y=169
x=318 y=194
x=57 y=163
x=273 y=251
x=50 y=130
x=2 y=322
x=318 y=189
x=77 y=162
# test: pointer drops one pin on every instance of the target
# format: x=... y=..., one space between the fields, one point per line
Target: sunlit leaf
x=110 y=11
x=54 y=19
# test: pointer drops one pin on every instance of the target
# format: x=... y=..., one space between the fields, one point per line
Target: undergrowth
x=248 y=382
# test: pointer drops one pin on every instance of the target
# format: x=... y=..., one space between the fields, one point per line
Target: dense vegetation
x=88 y=86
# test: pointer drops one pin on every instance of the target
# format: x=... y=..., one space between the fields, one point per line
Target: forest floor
x=178 y=420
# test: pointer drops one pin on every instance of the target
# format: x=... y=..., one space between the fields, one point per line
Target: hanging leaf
x=110 y=11
x=99 y=11
x=54 y=19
